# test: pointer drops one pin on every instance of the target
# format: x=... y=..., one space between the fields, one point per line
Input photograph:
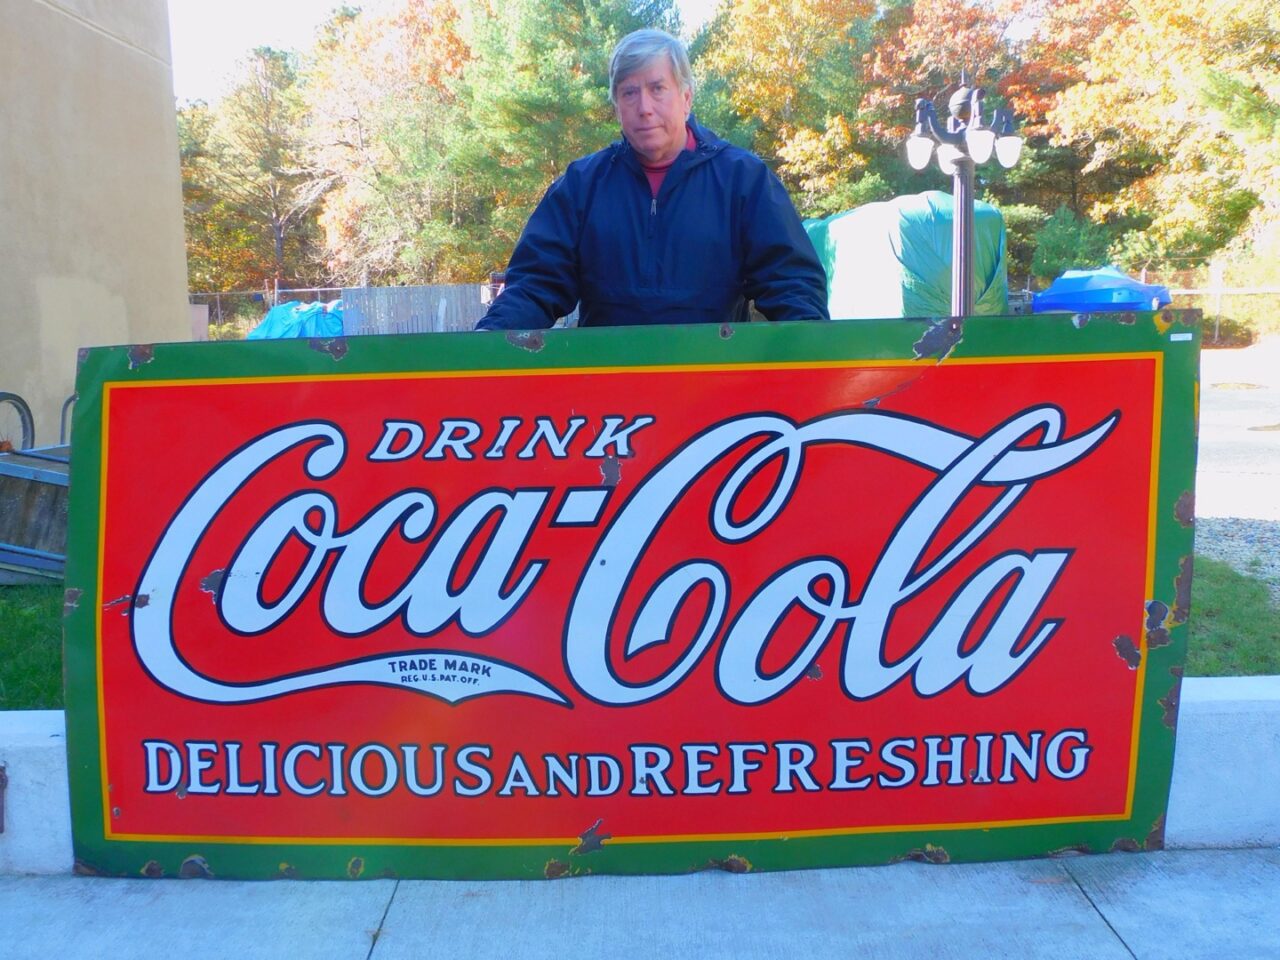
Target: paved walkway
x=1238 y=474
x=1166 y=906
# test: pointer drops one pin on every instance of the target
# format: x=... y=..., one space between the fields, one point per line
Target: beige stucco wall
x=91 y=242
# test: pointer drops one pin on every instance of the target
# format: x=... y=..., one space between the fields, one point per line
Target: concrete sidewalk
x=1183 y=904
x=1238 y=472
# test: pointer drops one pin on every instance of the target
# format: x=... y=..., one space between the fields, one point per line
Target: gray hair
x=637 y=50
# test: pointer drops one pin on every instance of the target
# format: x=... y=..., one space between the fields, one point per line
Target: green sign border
x=1174 y=333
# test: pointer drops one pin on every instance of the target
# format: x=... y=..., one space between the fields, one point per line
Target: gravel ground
x=1251 y=547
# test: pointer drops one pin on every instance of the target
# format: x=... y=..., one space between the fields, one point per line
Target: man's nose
x=646 y=102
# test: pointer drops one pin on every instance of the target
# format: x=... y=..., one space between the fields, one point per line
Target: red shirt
x=657 y=174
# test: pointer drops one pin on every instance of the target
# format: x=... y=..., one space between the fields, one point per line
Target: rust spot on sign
x=610 y=471
x=152 y=870
x=940 y=339
x=195 y=867
x=730 y=864
x=140 y=354
x=82 y=869
x=213 y=582
x=335 y=347
x=1155 y=839
x=1170 y=700
x=1157 y=614
x=355 y=867
x=1182 y=589
x=726 y=331
x=1185 y=509
x=555 y=869
x=531 y=340
x=142 y=600
x=1128 y=651
x=287 y=871
x=592 y=840
x=1125 y=845
x=814 y=672
x=929 y=853
x=71 y=601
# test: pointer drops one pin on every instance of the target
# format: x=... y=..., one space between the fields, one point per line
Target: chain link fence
x=436 y=308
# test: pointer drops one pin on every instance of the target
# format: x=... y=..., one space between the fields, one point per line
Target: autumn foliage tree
x=254 y=162
x=789 y=65
x=1149 y=100
x=384 y=116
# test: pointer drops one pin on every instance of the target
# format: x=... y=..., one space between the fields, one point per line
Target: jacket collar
x=708 y=145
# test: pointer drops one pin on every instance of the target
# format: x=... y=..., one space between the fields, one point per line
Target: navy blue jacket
x=722 y=230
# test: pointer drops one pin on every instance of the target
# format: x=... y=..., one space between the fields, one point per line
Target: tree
x=223 y=248
x=920 y=50
x=1022 y=223
x=1148 y=100
x=380 y=92
x=1067 y=241
x=537 y=95
x=787 y=69
x=255 y=160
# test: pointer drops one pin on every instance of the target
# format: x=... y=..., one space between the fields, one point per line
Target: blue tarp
x=1099 y=291
x=298 y=319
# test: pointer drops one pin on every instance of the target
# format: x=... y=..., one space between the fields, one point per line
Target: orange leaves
x=769 y=50
x=921 y=49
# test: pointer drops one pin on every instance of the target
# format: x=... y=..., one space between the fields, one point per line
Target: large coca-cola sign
x=683 y=614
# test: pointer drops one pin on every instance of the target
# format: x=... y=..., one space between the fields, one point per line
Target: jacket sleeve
x=781 y=271
x=542 y=277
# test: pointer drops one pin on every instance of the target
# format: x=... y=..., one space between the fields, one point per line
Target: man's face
x=652 y=109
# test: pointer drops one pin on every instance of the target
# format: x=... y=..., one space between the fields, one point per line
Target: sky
x=207 y=37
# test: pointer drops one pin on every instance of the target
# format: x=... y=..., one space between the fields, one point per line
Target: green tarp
x=893 y=259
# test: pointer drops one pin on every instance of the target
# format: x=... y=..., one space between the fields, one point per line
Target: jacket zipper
x=653 y=253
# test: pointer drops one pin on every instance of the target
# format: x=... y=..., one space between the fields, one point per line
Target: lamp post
x=965 y=141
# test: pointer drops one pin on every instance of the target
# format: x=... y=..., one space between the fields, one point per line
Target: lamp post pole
x=962 y=238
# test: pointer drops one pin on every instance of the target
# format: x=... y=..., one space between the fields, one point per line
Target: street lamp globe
x=948 y=155
x=919 y=150
x=980 y=142
x=1008 y=150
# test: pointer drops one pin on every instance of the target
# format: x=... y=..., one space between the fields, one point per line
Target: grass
x=30 y=647
x=1235 y=628
x=1235 y=631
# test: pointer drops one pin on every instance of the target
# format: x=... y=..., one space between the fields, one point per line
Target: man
x=668 y=225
